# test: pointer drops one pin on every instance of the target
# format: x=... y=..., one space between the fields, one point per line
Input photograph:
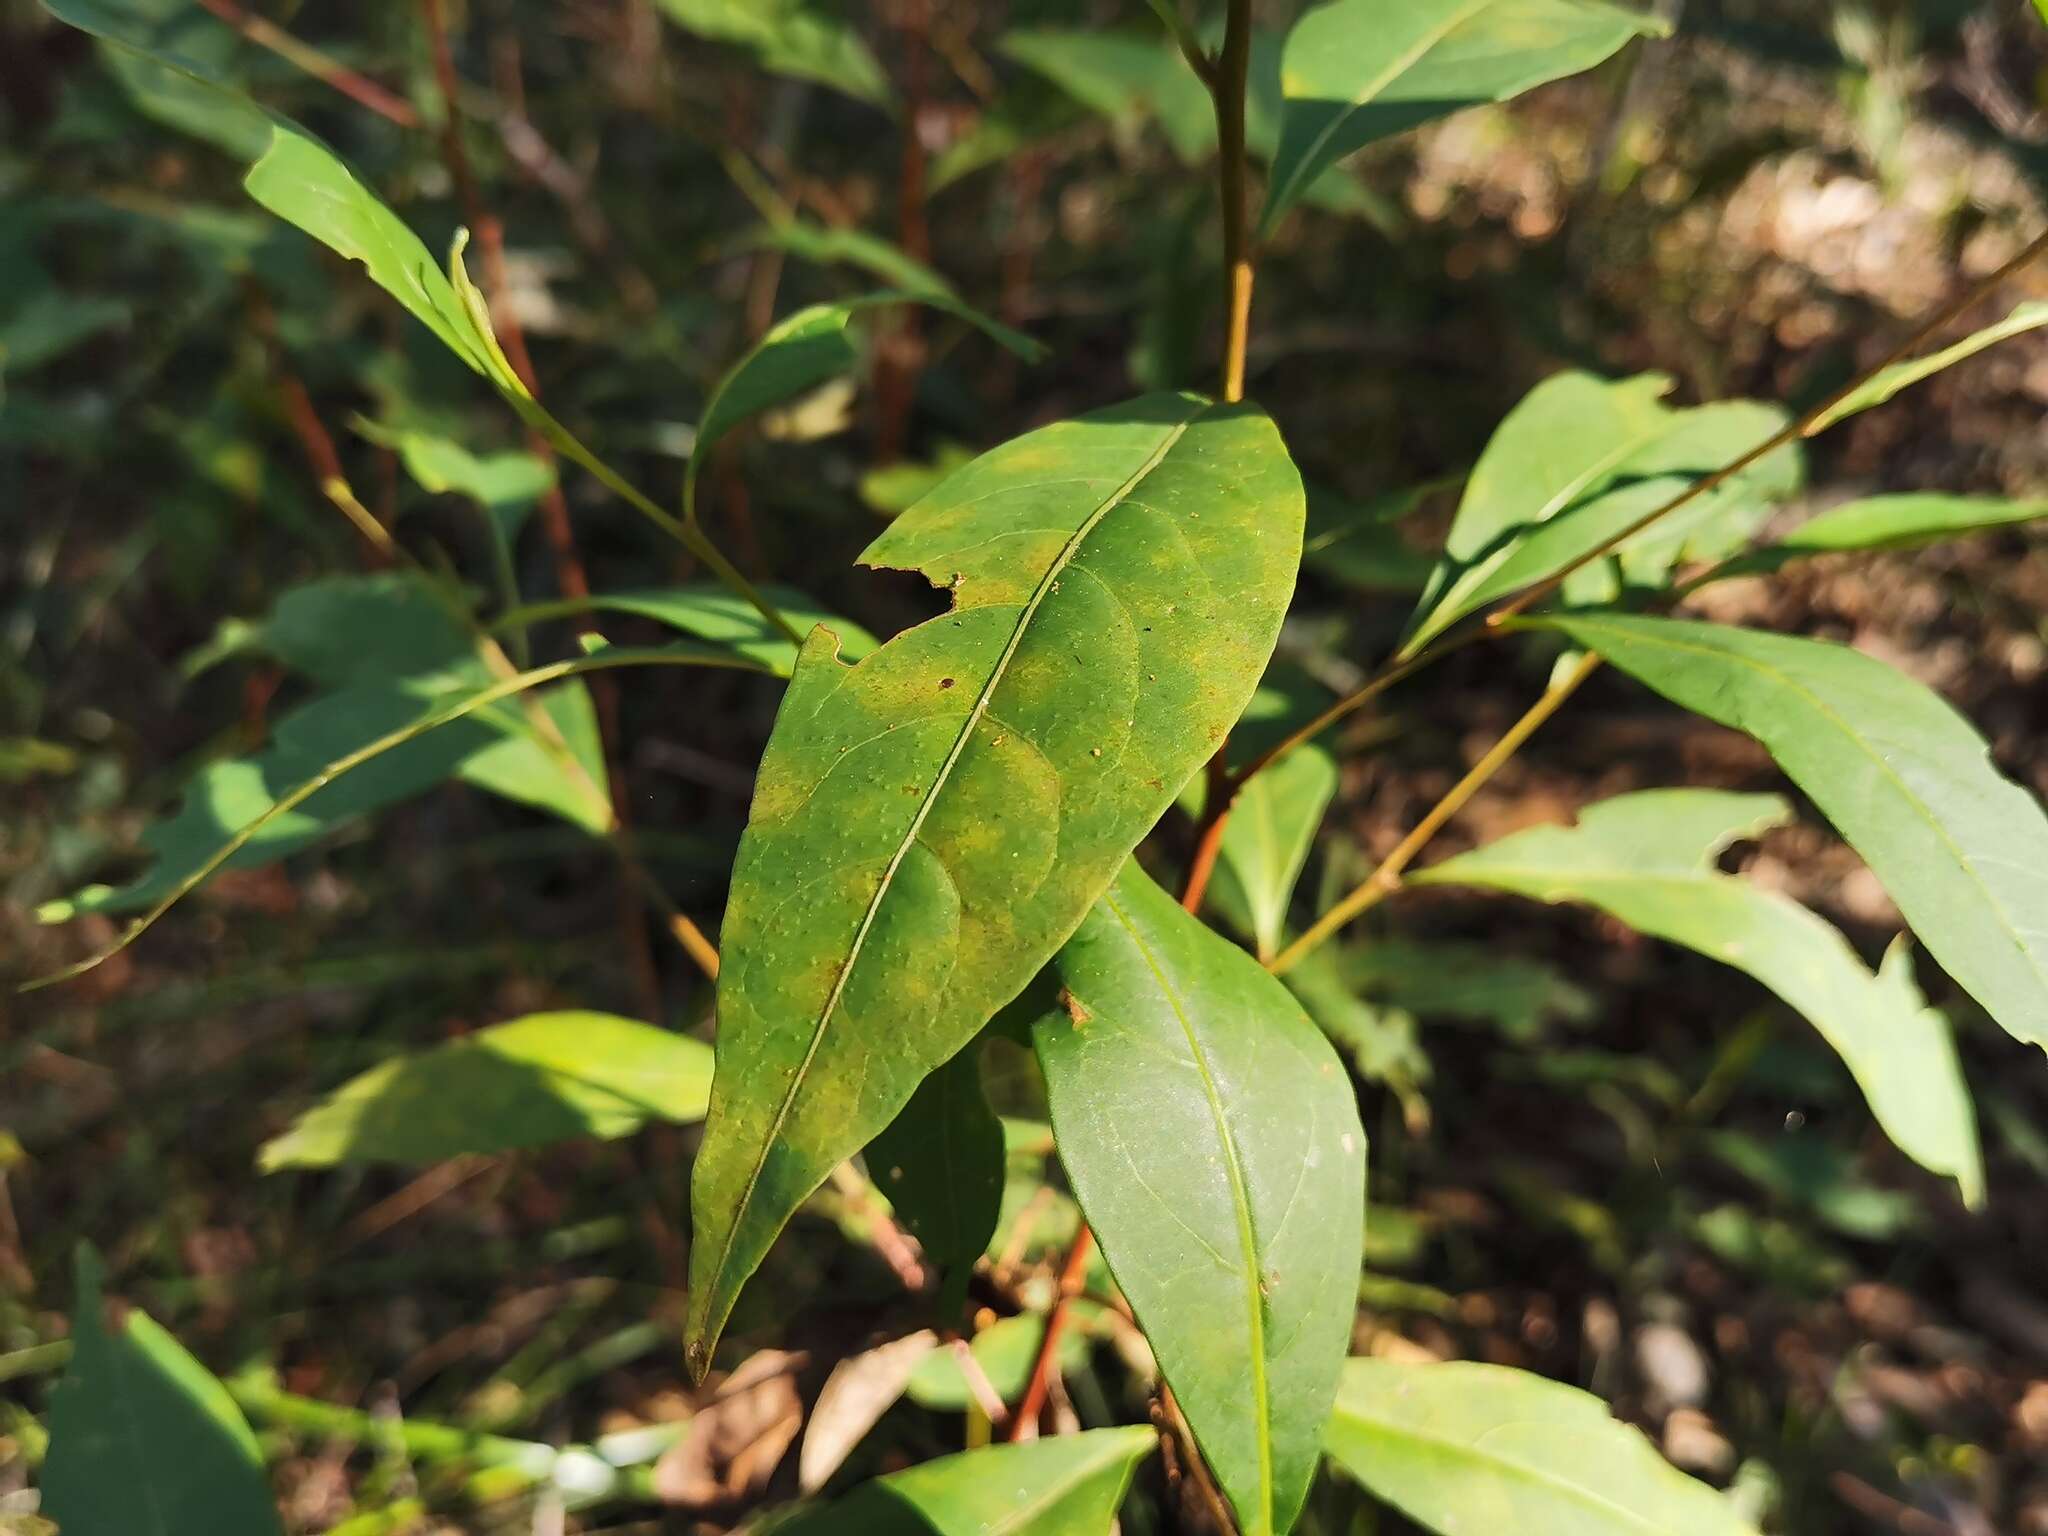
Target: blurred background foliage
x=1592 y=1155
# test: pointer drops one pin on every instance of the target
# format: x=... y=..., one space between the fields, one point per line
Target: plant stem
x=358 y=88
x=1225 y=77
x=1227 y=90
x=1072 y=1273
x=1383 y=881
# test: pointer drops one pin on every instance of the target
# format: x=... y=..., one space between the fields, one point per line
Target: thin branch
x=1383 y=881
x=1072 y=1274
x=1227 y=88
x=360 y=89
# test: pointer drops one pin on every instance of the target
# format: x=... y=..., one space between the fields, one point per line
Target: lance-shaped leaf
x=1460 y=1447
x=1213 y=1140
x=941 y=1164
x=929 y=825
x=1067 y=1486
x=1360 y=70
x=1649 y=860
x=143 y=1441
x=1903 y=777
x=1577 y=463
x=524 y=1083
x=713 y=613
x=1887 y=382
x=1887 y=523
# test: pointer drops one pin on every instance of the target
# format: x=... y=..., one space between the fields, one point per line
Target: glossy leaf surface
x=1903 y=777
x=941 y=1163
x=1070 y=1485
x=1648 y=859
x=547 y=1077
x=930 y=824
x=1359 y=70
x=1213 y=1140
x=143 y=1441
x=1460 y=1447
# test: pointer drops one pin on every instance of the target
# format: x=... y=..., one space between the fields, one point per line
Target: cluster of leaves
x=945 y=845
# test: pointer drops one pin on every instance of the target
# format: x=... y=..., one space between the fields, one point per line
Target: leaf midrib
x=1240 y=1200
x=1822 y=707
x=1470 y=1451
x=973 y=719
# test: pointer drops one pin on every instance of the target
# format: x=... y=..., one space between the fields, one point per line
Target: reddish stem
x=1072 y=1274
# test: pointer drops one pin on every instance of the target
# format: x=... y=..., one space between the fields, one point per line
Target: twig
x=895 y=1246
x=1383 y=881
x=358 y=88
x=985 y=1395
x=1227 y=89
x=1072 y=1274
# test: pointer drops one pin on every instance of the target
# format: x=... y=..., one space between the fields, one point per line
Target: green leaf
x=1885 y=523
x=1648 y=859
x=803 y=351
x=277 y=806
x=1579 y=461
x=714 y=614
x=1359 y=543
x=1067 y=1486
x=1887 y=382
x=167 y=93
x=941 y=1163
x=143 y=1441
x=1460 y=1447
x=1005 y=1351
x=1360 y=70
x=546 y=1077
x=1267 y=839
x=929 y=825
x=1903 y=777
x=803 y=40
x=1381 y=1041
x=393 y=653
x=1213 y=1141
x=1473 y=983
x=505 y=485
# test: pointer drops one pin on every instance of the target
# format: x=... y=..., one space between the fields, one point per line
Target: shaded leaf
x=546 y=1077
x=1903 y=777
x=1124 y=76
x=1213 y=1141
x=504 y=485
x=1067 y=1486
x=1461 y=1447
x=1474 y=983
x=143 y=1441
x=799 y=38
x=1382 y=1042
x=1359 y=543
x=1887 y=382
x=940 y=1162
x=1267 y=839
x=1887 y=522
x=714 y=614
x=1648 y=859
x=393 y=653
x=1360 y=70
x=929 y=825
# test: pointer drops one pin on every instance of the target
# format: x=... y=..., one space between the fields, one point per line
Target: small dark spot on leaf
x=945 y=682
